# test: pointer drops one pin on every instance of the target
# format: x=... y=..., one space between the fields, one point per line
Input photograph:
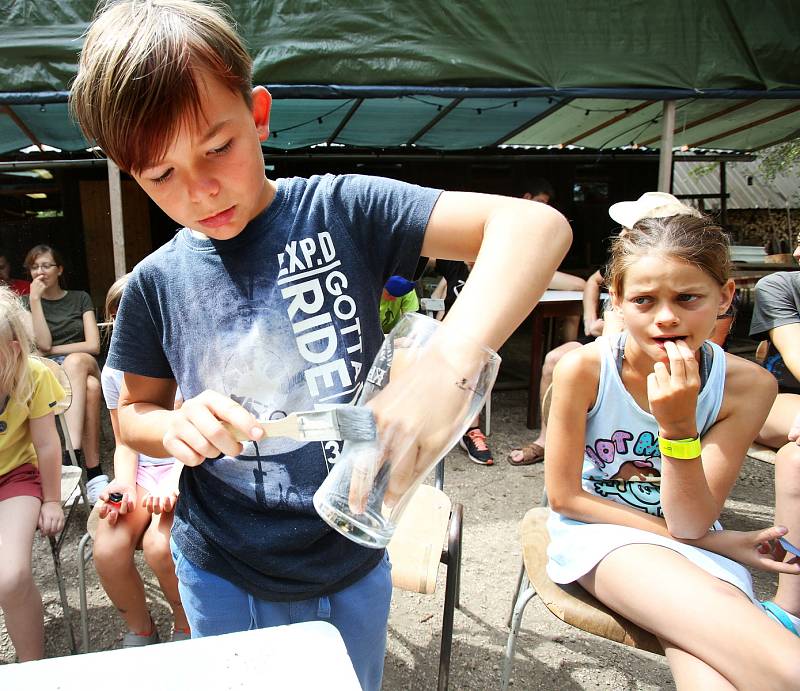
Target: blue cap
x=398 y=286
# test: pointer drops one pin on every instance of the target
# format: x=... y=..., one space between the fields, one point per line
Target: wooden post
x=723 y=195
x=665 y=154
x=117 y=225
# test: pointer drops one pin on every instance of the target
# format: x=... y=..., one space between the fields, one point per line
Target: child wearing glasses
x=65 y=330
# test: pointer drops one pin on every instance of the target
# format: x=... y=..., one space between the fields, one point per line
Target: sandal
x=531 y=453
x=780 y=615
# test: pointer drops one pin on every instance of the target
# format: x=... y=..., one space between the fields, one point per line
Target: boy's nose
x=203 y=186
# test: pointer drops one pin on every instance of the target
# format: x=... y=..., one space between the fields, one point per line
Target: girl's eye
x=686 y=297
x=223 y=148
x=640 y=300
x=162 y=178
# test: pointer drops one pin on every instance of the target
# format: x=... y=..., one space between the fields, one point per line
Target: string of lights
x=319 y=119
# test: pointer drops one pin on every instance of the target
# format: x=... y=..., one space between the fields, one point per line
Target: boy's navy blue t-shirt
x=281 y=318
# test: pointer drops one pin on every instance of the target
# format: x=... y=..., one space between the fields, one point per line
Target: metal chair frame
x=57 y=542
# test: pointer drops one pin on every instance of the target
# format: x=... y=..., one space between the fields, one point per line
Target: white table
x=296 y=657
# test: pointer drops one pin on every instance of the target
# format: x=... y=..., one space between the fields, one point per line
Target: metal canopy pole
x=665 y=153
x=117 y=225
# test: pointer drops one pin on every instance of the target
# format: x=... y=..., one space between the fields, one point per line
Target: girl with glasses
x=65 y=330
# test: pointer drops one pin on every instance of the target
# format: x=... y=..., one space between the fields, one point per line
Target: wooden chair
x=570 y=603
x=429 y=533
x=72 y=480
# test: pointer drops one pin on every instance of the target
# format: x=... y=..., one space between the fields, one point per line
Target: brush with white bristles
x=344 y=422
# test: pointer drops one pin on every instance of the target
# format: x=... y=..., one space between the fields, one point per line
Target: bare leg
x=787 y=512
x=691 y=672
x=569 y=329
x=91 y=431
x=700 y=615
x=114 y=546
x=78 y=366
x=19 y=596
x=775 y=432
x=550 y=362
x=159 y=557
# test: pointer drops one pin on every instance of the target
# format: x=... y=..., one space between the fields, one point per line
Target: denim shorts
x=360 y=612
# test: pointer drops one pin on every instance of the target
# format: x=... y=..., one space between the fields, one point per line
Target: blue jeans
x=360 y=612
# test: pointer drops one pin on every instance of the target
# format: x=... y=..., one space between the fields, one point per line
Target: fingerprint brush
x=345 y=422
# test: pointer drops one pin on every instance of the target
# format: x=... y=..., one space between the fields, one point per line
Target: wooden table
x=554 y=304
x=299 y=656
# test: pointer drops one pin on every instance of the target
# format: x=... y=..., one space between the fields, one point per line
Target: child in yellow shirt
x=30 y=480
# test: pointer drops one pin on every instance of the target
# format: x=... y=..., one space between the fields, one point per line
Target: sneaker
x=474 y=443
x=131 y=639
x=95 y=487
x=181 y=635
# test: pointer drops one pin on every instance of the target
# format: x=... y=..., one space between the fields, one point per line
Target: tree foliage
x=780 y=159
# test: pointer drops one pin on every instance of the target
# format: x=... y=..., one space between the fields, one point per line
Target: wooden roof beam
x=22 y=126
x=605 y=124
x=703 y=120
x=530 y=123
x=345 y=120
x=750 y=125
x=443 y=113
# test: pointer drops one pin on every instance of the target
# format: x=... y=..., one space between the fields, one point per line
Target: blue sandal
x=779 y=615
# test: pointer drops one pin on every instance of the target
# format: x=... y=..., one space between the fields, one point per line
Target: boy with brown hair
x=266 y=302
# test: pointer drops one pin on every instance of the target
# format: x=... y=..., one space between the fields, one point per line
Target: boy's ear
x=616 y=302
x=262 y=104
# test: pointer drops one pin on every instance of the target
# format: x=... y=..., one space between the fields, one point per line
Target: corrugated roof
x=747 y=187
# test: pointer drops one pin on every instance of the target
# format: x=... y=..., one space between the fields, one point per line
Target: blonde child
x=30 y=475
x=137 y=508
x=648 y=431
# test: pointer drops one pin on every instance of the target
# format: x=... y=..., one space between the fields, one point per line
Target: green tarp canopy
x=464 y=75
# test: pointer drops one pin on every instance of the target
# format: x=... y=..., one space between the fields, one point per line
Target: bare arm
x=126 y=462
x=787 y=340
x=575 y=382
x=591 y=298
x=498 y=232
x=91 y=342
x=48 y=453
x=192 y=433
x=41 y=332
x=693 y=493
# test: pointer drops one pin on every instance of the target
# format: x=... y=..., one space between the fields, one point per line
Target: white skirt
x=576 y=548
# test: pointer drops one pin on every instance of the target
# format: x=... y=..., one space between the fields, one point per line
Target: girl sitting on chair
x=648 y=431
x=65 y=330
x=30 y=475
x=146 y=490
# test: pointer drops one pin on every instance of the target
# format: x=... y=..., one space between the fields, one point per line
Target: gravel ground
x=550 y=655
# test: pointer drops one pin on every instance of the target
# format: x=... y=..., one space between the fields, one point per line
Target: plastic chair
x=571 y=603
x=71 y=480
x=429 y=533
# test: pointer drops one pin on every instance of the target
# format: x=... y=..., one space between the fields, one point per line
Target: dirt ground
x=550 y=655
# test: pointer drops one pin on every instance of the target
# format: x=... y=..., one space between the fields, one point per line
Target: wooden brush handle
x=285 y=427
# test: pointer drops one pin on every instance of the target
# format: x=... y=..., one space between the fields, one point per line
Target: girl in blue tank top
x=648 y=432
